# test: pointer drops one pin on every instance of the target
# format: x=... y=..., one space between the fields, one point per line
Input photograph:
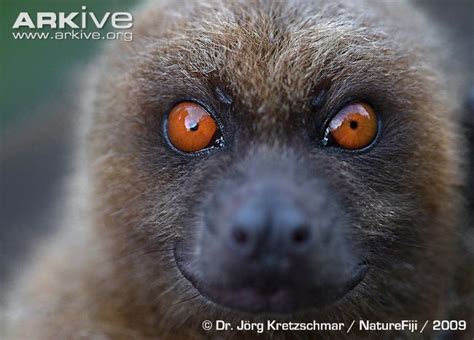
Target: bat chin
x=275 y=298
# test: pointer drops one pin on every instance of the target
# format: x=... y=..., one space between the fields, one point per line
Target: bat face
x=274 y=237
x=276 y=159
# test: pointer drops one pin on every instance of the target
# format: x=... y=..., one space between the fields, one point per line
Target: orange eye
x=191 y=128
x=354 y=127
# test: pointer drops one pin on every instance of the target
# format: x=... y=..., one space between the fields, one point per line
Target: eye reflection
x=191 y=128
x=354 y=127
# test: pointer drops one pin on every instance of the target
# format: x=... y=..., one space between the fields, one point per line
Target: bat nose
x=276 y=226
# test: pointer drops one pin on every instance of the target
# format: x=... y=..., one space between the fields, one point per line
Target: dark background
x=38 y=96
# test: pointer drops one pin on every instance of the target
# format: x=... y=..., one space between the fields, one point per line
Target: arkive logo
x=73 y=20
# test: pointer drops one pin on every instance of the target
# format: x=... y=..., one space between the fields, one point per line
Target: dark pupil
x=353 y=124
x=194 y=126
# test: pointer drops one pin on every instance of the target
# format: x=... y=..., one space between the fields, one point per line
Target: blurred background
x=38 y=99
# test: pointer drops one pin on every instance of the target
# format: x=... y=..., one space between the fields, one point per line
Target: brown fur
x=110 y=272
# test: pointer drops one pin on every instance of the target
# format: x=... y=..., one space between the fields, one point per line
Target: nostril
x=240 y=236
x=301 y=234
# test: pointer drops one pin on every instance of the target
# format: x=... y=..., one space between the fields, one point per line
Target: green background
x=34 y=70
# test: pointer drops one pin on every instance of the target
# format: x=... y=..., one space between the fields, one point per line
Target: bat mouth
x=277 y=297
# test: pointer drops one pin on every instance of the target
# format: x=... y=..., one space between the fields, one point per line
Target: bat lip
x=275 y=300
